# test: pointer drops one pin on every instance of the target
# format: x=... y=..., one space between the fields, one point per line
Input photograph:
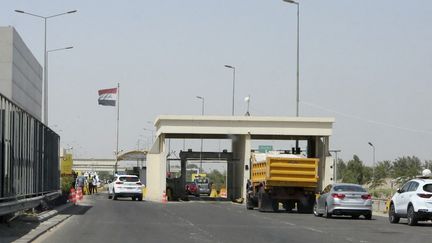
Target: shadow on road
x=76 y=210
x=16 y=229
x=208 y=199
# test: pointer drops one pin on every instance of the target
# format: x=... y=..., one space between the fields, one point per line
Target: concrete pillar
x=238 y=176
x=326 y=162
x=156 y=170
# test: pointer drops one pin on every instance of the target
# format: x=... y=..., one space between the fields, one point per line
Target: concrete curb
x=48 y=220
x=43 y=228
x=47 y=214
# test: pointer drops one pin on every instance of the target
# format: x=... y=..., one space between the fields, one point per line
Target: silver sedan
x=344 y=199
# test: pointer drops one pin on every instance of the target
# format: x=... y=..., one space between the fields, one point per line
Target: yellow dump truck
x=282 y=178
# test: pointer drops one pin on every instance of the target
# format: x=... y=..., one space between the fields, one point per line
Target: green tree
x=405 y=168
x=354 y=172
x=105 y=175
x=381 y=172
x=217 y=178
x=428 y=164
x=341 y=166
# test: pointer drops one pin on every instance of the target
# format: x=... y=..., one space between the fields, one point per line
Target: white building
x=20 y=72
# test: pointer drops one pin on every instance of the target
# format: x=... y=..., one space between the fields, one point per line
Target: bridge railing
x=29 y=155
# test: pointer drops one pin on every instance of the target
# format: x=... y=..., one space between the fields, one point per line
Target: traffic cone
x=213 y=193
x=79 y=194
x=164 y=197
x=72 y=196
x=223 y=193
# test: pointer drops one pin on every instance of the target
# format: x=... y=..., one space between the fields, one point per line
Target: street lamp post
x=45 y=76
x=202 y=103
x=202 y=113
x=47 y=64
x=373 y=161
x=233 y=93
x=298 y=53
x=247 y=100
x=152 y=133
x=336 y=151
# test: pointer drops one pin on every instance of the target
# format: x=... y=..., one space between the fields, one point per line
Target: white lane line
x=313 y=229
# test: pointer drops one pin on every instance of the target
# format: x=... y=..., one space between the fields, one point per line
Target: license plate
x=130 y=187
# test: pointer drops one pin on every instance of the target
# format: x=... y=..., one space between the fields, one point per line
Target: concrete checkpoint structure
x=241 y=130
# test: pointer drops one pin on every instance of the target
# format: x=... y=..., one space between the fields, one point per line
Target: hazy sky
x=367 y=63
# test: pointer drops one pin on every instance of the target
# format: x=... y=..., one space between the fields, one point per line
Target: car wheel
x=140 y=198
x=368 y=216
x=411 y=216
x=315 y=210
x=392 y=215
x=114 y=196
x=326 y=212
x=109 y=195
x=249 y=203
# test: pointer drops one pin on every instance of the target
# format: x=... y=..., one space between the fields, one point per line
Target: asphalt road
x=101 y=220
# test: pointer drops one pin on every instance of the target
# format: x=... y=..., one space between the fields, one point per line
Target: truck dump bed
x=284 y=170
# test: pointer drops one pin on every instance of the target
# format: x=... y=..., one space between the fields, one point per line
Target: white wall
x=156 y=170
x=20 y=72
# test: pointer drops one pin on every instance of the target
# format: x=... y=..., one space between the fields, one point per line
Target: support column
x=241 y=147
x=156 y=170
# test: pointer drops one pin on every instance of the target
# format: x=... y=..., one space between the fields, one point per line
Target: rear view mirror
x=399 y=190
x=109 y=181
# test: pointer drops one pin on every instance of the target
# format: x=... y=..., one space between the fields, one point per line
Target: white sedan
x=125 y=186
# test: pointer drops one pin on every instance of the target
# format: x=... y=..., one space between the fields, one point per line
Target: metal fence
x=29 y=155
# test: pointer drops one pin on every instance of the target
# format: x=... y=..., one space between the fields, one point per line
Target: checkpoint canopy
x=242 y=130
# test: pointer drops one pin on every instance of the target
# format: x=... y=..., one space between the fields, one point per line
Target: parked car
x=344 y=199
x=203 y=186
x=413 y=201
x=192 y=189
x=125 y=186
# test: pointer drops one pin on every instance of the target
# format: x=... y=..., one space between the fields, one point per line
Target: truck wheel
x=288 y=206
x=275 y=205
x=306 y=206
x=249 y=203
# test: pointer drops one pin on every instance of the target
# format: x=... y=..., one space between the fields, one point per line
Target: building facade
x=20 y=73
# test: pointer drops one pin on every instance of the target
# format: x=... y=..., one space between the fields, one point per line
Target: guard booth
x=241 y=130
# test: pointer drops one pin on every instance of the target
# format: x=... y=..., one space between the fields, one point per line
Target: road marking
x=313 y=229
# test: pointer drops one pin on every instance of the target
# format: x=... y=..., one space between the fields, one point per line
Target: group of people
x=92 y=185
x=87 y=184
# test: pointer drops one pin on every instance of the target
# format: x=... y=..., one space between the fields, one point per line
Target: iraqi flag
x=107 y=97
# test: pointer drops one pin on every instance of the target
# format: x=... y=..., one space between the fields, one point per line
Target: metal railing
x=29 y=155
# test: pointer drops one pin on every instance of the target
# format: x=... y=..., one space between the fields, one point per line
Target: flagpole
x=118 y=119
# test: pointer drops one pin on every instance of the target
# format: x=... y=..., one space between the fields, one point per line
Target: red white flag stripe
x=108 y=91
x=107 y=97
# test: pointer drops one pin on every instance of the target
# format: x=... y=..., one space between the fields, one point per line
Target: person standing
x=90 y=185
x=94 y=182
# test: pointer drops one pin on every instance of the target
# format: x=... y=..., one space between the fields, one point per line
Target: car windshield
x=128 y=179
x=348 y=188
x=427 y=188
